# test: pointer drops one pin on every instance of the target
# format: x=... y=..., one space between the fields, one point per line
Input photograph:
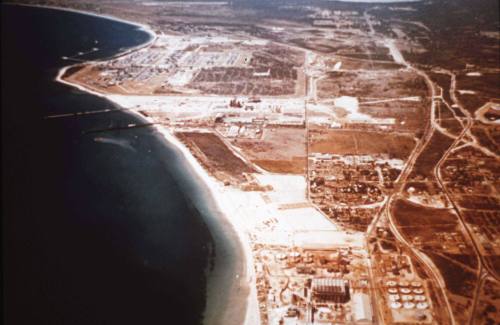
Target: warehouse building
x=362 y=308
x=330 y=290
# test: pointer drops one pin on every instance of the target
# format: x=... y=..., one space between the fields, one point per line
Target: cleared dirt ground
x=374 y=84
x=486 y=87
x=409 y=214
x=281 y=150
x=215 y=156
x=297 y=165
x=487 y=135
x=430 y=156
x=410 y=116
x=396 y=145
x=488 y=309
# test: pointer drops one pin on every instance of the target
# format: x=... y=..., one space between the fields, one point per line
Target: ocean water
x=98 y=227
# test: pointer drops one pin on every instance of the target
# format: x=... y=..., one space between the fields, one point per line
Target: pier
x=82 y=113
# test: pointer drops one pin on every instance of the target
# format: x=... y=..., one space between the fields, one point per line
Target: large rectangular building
x=330 y=290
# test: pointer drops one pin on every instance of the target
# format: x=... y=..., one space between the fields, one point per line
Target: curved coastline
x=143 y=27
x=220 y=294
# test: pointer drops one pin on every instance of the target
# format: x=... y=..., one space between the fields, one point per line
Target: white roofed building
x=362 y=308
x=330 y=289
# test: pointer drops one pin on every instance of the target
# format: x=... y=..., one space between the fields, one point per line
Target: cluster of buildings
x=486 y=227
x=426 y=193
x=452 y=242
x=403 y=294
x=299 y=286
x=146 y=65
x=375 y=169
x=470 y=177
x=171 y=62
x=469 y=173
x=338 y=19
x=349 y=188
x=353 y=218
x=246 y=117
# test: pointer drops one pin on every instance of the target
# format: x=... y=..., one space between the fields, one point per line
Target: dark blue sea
x=105 y=227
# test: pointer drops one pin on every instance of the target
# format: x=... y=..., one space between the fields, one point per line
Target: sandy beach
x=282 y=216
x=216 y=191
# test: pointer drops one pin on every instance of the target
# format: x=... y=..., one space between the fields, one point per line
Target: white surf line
x=77 y=60
x=75 y=85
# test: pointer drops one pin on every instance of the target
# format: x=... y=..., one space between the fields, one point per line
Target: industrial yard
x=310 y=286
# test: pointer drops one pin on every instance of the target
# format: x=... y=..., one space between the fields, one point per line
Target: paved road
x=421 y=145
x=437 y=172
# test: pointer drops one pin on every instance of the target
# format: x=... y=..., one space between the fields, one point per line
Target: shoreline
x=215 y=189
x=141 y=26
